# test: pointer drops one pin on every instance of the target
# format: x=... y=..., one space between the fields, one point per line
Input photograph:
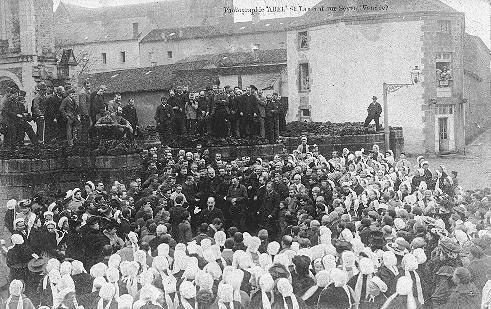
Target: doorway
x=443 y=140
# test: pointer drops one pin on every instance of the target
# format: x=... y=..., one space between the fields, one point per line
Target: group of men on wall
x=63 y=113
x=221 y=112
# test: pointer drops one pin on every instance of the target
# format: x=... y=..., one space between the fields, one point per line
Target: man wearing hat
x=248 y=111
x=374 y=112
x=38 y=109
x=163 y=117
x=70 y=110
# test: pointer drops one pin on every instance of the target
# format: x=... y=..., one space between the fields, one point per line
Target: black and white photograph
x=245 y=154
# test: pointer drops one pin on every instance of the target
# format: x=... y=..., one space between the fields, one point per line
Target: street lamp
x=388 y=88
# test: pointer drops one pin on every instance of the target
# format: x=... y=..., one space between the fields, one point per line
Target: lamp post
x=388 y=88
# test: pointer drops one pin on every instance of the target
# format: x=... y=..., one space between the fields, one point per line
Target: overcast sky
x=477 y=11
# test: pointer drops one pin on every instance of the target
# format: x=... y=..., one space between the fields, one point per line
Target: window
x=443 y=26
x=444 y=69
x=169 y=54
x=122 y=57
x=150 y=56
x=104 y=58
x=305 y=112
x=304 y=77
x=256 y=46
x=303 y=40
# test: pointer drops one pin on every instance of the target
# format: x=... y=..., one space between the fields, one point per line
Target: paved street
x=475 y=167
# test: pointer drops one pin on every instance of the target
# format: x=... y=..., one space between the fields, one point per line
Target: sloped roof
x=70 y=34
x=80 y=25
x=329 y=10
x=80 y=14
x=196 y=72
x=224 y=60
x=156 y=78
x=175 y=34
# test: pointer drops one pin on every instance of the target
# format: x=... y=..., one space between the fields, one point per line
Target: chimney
x=135 y=30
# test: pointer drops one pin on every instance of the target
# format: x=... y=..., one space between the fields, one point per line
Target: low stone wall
x=327 y=143
x=21 y=178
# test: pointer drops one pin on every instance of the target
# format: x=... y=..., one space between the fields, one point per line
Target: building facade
x=26 y=44
x=166 y=46
x=339 y=61
x=108 y=38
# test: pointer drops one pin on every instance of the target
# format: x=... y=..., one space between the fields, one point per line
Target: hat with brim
x=37 y=265
x=399 y=246
x=342 y=246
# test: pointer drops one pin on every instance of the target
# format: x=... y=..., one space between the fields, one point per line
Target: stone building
x=340 y=54
x=266 y=69
x=27 y=51
x=166 y=46
x=108 y=38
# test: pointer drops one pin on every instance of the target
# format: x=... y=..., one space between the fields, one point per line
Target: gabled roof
x=80 y=25
x=196 y=72
x=156 y=78
x=94 y=32
x=329 y=10
x=80 y=14
x=226 y=60
x=175 y=34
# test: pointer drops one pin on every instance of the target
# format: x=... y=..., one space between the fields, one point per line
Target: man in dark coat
x=129 y=113
x=374 y=112
x=55 y=124
x=16 y=117
x=178 y=101
x=70 y=110
x=97 y=105
x=219 y=114
x=269 y=209
x=234 y=101
x=208 y=214
x=84 y=103
x=203 y=113
x=272 y=118
x=163 y=117
x=248 y=111
x=94 y=241
x=38 y=110
x=237 y=199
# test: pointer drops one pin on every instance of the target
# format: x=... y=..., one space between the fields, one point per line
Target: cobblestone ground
x=474 y=169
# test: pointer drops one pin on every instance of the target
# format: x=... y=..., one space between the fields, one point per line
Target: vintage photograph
x=255 y=154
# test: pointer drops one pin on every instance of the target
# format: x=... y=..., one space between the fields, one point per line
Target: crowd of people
x=358 y=229
x=221 y=112
x=64 y=113
x=68 y=114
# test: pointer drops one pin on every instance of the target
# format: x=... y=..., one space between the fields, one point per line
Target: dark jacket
x=374 y=109
x=39 y=104
x=163 y=114
x=97 y=105
x=69 y=108
x=129 y=113
x=270 y=204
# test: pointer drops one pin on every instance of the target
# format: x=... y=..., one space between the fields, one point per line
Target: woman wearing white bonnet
x=83 y=281
x=106 y=297
x=287 y=299
x=187 y=291
x=403 y=298
x=17 y=299
x=337 y=295
x=125 y=301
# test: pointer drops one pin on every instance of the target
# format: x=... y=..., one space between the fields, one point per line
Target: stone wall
x=21 y=178
x=328 y=143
